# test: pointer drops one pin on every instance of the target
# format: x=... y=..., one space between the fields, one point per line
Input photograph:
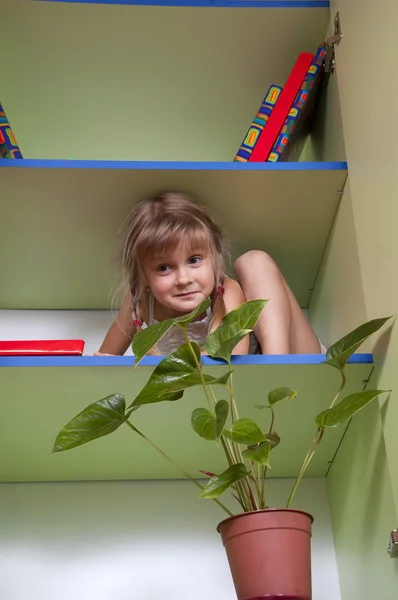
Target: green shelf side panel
x=361 y=496
x=36 y=403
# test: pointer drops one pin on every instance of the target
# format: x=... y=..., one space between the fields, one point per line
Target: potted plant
x=268 y=549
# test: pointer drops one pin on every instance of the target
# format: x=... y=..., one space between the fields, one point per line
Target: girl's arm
x=233 y=297
x=120 y=334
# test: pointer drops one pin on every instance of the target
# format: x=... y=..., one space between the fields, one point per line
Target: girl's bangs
x=163 y=239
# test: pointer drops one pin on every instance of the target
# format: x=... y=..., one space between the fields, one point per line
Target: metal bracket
x=331 y=42
x=393 y=544
x=335 y=39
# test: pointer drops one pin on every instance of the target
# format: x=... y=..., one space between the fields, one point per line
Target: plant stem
x=245 y=499
x=257 y=483
x=315 y=442
x=311 y=451
x=244 y=496
x=176 y=466
x=240 y=485
x=264 y=474
x=237 y=498
x=272 y=420
x=252 y=499
x=233 y=448
x=226 y=450
x=247 y=486
x=234 y=416
x=234 y=410
x=261 y=479
x=236 y=449
x=231 y=445
x=213 y=394
x=231 y=455
x=198 y=366
x=343 y=382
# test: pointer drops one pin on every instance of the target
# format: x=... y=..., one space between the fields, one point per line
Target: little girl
x=174 y=258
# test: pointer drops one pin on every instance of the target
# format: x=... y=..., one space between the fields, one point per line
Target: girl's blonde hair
x=157 y=224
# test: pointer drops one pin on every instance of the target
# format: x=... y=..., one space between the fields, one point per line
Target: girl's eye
x=194 y=260
x=163 y=268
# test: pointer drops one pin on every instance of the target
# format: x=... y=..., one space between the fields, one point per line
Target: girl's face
x=180 y=279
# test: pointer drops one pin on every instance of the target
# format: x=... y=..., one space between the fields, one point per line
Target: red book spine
x=275 y=123
x=41 y=348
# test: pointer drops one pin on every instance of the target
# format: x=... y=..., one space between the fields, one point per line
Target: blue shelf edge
x=38 y=163
x=152 y=361
x=208 y=3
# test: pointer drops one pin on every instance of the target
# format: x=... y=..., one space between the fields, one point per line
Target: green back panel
x=37 y=402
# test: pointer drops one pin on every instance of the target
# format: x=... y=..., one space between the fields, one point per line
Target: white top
x=174 y=338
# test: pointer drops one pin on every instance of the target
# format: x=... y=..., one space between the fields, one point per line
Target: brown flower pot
x=269 y=554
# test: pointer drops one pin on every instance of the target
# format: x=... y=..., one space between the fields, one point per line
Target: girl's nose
x=184 y=276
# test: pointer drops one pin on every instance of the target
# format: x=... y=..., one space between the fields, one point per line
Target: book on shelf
x=268 y=136
x=41 y=348
x=8 y=144
x=258 y=124
x=299 y=122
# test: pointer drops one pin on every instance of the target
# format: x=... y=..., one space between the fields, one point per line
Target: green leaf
x=260 y=454
x=339 y=353
x=244 y=431
x=273 y=438
x=223 y=379
x=234 y=327
x=218 y=484
x=224 y=350
x=222 y=410
x=98 y=419
x=204 y=423
x=195 y=379
x=147 y=338
x=279 y=394
x=174 y=374
x=207 y=425
x=347 y=408
x=173 y=368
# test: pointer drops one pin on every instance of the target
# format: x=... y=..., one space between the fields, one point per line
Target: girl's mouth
x=187 y=294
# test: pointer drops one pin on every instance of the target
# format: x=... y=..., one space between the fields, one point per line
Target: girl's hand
x=103 y=354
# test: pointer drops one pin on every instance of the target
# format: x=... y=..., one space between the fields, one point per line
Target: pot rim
x=262 y=510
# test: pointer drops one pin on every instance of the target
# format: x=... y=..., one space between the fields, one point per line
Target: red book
x=275 y=123
x=42 y=348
